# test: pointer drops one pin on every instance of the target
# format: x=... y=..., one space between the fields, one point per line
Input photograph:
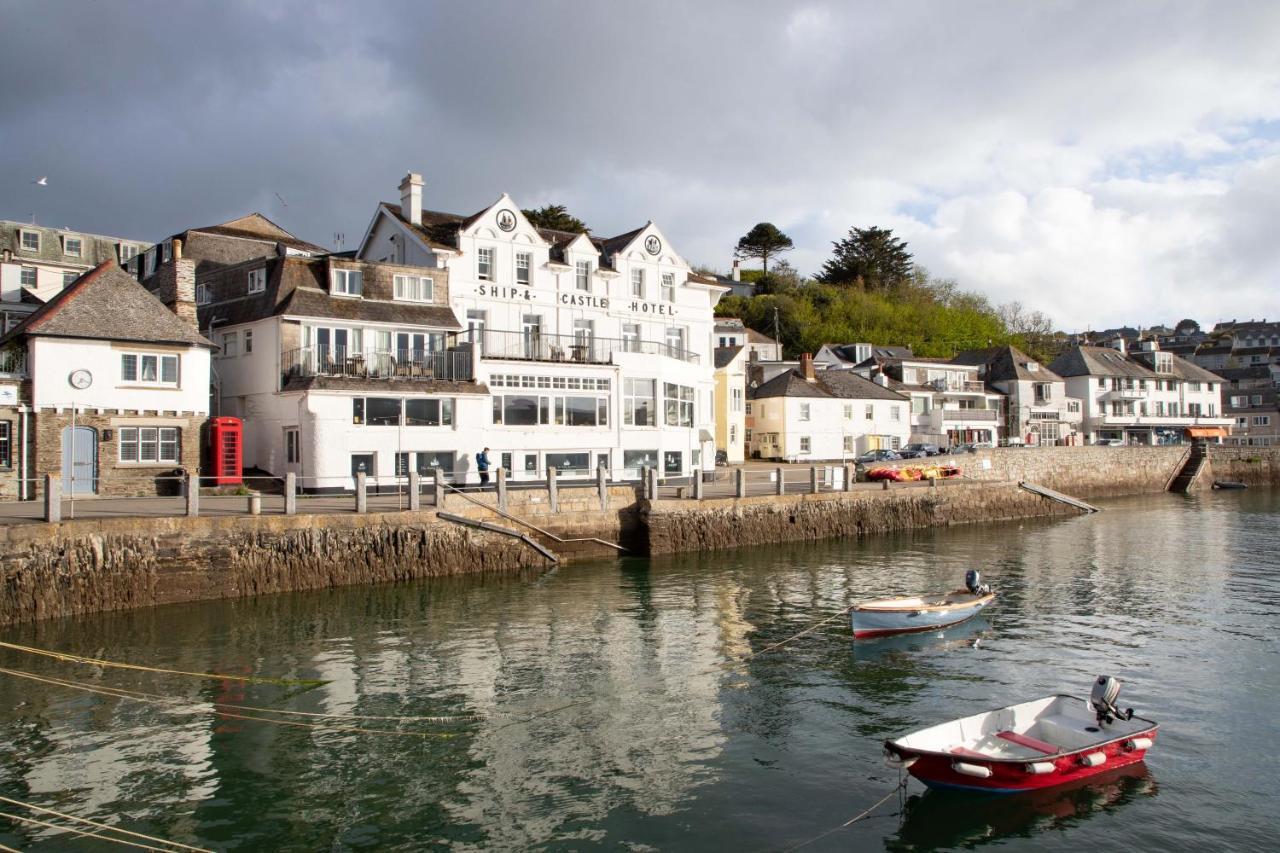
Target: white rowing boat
x=921 y=612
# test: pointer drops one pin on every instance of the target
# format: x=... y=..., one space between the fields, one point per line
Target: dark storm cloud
x=990 y=134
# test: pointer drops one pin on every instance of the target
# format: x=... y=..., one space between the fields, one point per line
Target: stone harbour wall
x=1082 y=472
x=54 y=570
x=1257 y=466
x=675 y=526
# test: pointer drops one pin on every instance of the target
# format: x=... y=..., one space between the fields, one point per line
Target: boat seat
x=965 y=752
x=1029 y=742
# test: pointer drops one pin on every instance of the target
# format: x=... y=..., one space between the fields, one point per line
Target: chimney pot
x=411 y=198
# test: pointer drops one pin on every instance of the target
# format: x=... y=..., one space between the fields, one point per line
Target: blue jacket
x=482 y=461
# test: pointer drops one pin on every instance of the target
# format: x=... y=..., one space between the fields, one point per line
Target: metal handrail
x=343 y=362
x=536 y=345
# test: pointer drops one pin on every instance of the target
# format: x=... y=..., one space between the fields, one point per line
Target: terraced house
x=1146 y=396
x=596 y=352
x=114 y=391
x=37 y=261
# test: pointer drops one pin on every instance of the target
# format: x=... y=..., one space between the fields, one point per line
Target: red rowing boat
x=1030 y=746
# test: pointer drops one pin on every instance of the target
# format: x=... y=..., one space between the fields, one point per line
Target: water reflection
x=939 y=820
x=620 y=703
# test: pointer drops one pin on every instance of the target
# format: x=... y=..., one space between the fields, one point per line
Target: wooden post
x=782 y=484
x=362 y=492
x=602 y=485
x=849 y=473
x=884 y=485
x=500 y=484
x=697 y=485
x=415 y=491
x=437 y=476
x=552 y=494
x=291 y=494
x=653 y=484
x=191 y=487
x=52 y=498
x=741 y=485
x=813 y=479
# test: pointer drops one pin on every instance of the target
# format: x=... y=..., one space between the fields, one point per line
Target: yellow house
x=730 y=400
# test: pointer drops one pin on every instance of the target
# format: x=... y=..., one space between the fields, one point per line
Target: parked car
x=874 y=456
x=722 y=457
x=918 y=451
x=964 y=448
x=1110 y=442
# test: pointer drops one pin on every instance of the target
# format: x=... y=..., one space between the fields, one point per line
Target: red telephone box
x=226 y=442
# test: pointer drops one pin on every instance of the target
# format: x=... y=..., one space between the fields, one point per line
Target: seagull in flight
x=42 y=181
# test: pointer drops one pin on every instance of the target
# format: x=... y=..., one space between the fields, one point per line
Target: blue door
x=79 y=461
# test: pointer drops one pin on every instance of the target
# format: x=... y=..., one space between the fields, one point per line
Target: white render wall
x=51 y=361
x=1096 y=399
x=830 y=421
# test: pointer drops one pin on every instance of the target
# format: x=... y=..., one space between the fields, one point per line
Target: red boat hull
x=937 y=770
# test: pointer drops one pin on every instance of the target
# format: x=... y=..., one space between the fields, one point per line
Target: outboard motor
x=973 y=582
x=1103 y=700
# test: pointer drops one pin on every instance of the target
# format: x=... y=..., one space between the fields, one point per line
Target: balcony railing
x=411 y=364
x=583 y=349
x=958 y=385
x=1167 y=420
x=969 y=414
x=13 y=362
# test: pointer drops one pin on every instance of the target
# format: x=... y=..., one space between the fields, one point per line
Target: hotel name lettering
x=576 y=300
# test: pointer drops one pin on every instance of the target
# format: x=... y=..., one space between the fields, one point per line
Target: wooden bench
x=1029 y=742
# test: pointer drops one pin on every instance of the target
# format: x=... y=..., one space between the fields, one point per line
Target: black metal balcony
x=413 y=364
x=582 y=349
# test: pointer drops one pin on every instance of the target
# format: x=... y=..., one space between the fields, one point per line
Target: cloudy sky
x=1107 y=163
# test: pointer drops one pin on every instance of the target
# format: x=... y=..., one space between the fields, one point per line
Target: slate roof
x=94 y=248
x=255 y=226
x=1104 y=361
x=1005 y=364
x=1099 y=361
x=759 y=337
x=839 y=384
x=107 y=304
x=725 y=355
x=296 y=287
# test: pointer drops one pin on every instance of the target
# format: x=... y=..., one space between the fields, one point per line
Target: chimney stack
x=411 y=198
x=806 y=367
x=736 y=272
x=1119 y=344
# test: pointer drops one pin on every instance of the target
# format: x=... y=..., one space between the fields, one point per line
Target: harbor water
x=629 y=705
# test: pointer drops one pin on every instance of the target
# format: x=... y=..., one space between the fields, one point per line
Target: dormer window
x=484 y=264
x=72 y=246
x=128 y=252
x=166 y=251
x=1033 y=366
x=413 y=288
x=347 y=282
x=258 y=280
x=1163 y=362
x=204 y=294
x=30 y=241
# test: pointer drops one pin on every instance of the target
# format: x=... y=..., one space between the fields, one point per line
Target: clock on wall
x=506 y=220
x=80 y=379
x=652 y=244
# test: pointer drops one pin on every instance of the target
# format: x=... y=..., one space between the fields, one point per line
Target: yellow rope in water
x=794 y=637
x=162 y=701
x=84 y=833
x=4 y=849
x=108 y=827
x=252 y=679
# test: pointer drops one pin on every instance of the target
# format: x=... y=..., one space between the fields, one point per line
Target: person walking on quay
x=482 y=465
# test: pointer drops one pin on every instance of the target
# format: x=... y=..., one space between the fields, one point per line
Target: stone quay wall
x=1256 y=466
x=675 y=526
x=77 y=567
x=1082 y=472
x=578 y=512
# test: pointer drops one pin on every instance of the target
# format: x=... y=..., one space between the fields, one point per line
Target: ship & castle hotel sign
x=575 y=300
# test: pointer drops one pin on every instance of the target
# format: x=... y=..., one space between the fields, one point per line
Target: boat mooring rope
x=84 y=820
x=250 y=679
x=794 y=637
x=862 y=815
x=84 y=833
x=167 y=703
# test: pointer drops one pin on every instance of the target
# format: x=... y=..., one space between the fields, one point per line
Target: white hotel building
x=595 y=352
